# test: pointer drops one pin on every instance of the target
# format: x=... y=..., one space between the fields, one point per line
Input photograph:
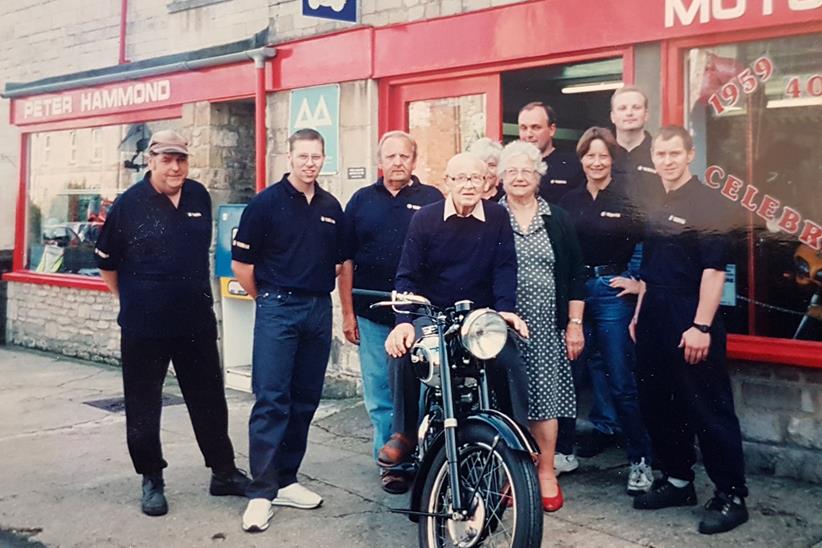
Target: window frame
x=673 y=85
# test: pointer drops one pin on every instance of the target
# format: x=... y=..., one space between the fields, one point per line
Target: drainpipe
x=260 y=130
x=121 y=59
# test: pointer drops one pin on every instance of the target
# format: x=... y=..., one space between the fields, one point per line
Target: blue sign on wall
x=339 y=10
x=319 y=108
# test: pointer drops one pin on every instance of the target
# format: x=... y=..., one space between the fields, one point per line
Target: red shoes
x=552 y=504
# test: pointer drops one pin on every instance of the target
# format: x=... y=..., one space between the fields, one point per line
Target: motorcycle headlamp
x=483 y=333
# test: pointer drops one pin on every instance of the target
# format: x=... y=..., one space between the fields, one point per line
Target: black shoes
x=154 y=499
x=232 y=482
x=723 y=513
x=594 y=444
x=664 y=494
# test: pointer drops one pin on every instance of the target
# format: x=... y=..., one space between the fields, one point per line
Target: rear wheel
x=501 y=487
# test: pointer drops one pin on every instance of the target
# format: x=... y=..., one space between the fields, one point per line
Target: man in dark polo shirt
x=153 y=255
x=459 y=248
x=538 y=125
x=285 y=254
x=377 y=218
x=684 y=388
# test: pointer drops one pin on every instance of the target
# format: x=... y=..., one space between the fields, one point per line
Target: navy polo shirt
x=607 y=227
x=376 y=226
x=293 y=244
x=460 y=258
x=564 y=174
x=637 y=169
x=683 y=237
x=161 y=256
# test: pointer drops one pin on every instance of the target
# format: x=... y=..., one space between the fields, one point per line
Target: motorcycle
x=475 y=483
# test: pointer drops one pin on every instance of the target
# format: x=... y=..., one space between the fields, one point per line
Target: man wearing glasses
x=286 y=254
x=459 y=248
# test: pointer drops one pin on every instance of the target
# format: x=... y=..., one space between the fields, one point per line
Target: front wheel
x=501 y=490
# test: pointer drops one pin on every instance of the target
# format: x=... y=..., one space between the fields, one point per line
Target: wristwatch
x=577 y=321
x=705 y=328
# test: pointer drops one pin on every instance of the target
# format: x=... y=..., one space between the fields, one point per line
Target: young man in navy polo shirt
x=286 y=254
x=459 y=248
x=377 y=218
x=684 y=389
x=153 y=255
x=537 y=125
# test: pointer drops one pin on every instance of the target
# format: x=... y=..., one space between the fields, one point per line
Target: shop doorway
x=580 y=93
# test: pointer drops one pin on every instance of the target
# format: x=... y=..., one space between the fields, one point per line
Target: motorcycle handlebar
x=372 y=293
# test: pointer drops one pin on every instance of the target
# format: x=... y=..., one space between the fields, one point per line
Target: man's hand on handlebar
x=400 y=340
x=516 y=323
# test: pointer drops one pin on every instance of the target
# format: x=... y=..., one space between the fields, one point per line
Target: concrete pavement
x=66 y=480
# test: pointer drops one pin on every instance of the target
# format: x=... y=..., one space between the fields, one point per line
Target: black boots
x=154 y=499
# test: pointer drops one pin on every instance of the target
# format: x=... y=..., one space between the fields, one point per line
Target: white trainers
x=640 y=478
x=565 y=463
x=257 y=515
x=297 y=496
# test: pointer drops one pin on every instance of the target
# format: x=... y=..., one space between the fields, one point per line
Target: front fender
x=511 y=434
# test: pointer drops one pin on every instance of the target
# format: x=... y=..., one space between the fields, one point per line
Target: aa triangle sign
x=318 y=108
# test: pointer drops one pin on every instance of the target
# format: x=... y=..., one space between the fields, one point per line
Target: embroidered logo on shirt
x=101 y=254
x=328 y=220
x=559 y=182
x=610 y=214
x=646 y=169
x=194 y=214
x=677 y=220
x=241 y=245
x=413 y=206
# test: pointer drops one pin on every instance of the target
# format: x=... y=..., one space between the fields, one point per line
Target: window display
x=755 y=109
x=74 y=176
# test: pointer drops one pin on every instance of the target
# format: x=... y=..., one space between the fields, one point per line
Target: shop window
x=755 y=109
x=68 y=196
x=443 y=127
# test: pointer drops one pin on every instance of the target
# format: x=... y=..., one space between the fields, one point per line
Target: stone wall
x=780 y=411
x=68 y=321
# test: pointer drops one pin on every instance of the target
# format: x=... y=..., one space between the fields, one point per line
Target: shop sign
x=338 y=10
x=318 y=108
x=688 y=12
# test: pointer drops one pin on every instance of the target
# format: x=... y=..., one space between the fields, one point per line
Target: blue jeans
x=292 y=341
x=375 y=379
x=610 y=357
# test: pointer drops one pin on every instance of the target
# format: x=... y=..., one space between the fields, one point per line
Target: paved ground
x=66 y=480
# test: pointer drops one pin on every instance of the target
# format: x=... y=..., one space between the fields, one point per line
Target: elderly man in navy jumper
x=460 y=248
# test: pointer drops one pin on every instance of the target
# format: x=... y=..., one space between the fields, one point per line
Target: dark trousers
x=197 y=364
x=292 y=341
x=507 y=379
x=610 y=359
x=680 y=401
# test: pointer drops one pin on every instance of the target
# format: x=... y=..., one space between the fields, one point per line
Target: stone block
x=762 y=426
x=805 y=432
x=223 y=137
x=771 y=396
x=450 y=7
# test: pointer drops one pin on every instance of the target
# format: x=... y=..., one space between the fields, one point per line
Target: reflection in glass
x=755 y=110
x=442 y=128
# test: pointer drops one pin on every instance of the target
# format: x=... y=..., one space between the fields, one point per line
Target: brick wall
x=780 y=411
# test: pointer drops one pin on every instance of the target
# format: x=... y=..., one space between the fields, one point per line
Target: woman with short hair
x=550 y=293
x=488 y=151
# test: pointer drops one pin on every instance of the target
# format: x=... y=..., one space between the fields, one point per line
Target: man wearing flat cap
x=153 y=255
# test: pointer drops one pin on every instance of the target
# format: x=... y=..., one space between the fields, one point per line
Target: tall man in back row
x=684 y=389
x=153 y=256
x=377 y=218
x=285 y=254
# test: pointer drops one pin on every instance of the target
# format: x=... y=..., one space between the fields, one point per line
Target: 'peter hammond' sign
x=94 y=101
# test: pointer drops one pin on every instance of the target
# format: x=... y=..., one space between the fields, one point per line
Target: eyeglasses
x=304 y=158
x=462 y=179
x=513 y=172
